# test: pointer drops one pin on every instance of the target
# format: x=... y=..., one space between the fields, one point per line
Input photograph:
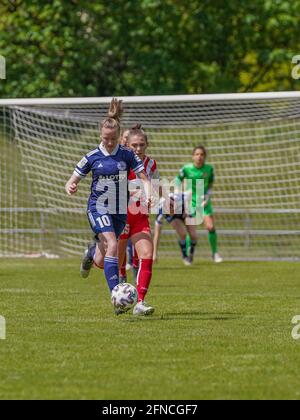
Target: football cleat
x=121 y=311
x=87 y=261
x=122 y=280
x=187 y=261
x=217 y=258
x=143 y=309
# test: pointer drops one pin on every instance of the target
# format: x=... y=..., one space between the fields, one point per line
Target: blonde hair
x=113 y=119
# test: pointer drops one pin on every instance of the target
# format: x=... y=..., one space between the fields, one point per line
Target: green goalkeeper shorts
x=208 y=210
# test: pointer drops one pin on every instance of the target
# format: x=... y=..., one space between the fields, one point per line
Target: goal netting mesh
x=253 y=143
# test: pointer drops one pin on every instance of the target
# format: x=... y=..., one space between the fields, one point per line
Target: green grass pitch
x=219 y=332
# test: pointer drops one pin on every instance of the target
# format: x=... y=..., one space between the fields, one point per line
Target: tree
x=79 y=48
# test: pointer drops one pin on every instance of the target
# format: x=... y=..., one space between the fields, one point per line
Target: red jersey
x=137 y=223
x=150 y=169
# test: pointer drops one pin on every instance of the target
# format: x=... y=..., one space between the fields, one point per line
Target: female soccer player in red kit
x=138 y=225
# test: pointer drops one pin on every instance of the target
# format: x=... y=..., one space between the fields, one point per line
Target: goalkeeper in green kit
x=199 y=170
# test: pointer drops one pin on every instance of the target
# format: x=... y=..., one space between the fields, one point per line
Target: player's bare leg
x=99 y=255
x=156 y=241
x=93 y=256
x=181 y=230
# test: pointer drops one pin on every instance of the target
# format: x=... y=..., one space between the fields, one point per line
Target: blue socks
x=111 y=270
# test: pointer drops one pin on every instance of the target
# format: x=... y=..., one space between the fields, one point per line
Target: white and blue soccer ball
x=124 y=296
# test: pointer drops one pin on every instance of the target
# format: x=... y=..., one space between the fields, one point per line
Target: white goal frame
x=247 y=233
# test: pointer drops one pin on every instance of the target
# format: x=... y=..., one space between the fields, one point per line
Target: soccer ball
x=124 y=296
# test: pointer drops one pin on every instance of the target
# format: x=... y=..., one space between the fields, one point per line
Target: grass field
x=219 y=332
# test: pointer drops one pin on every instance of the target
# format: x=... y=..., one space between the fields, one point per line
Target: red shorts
x=138 y=223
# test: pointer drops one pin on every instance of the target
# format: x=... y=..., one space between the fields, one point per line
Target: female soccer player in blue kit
x=108 y=162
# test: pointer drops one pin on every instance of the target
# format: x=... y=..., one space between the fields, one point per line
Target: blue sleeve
x=83 y=168
x=135 y=163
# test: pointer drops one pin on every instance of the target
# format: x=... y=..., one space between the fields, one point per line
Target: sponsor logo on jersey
x=82 y=163
x=119 y=177
x=122 y=166
x=100 y=165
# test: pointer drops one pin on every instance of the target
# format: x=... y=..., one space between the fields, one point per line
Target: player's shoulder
x=209 y=166
x=188 y=167
x=150 y=163
x=93 y=153
x=183 y=171
x=125 y=149
x=126 y=153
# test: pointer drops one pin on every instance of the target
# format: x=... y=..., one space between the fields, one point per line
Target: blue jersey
x=109 y=189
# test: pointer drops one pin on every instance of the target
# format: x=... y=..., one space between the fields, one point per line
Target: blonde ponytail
x=115 y=112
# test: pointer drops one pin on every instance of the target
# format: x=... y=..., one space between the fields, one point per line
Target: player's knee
x=146 y=255
x=112 y=248
x=211 y=228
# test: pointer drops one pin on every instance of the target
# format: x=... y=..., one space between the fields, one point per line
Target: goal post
x=253 y=141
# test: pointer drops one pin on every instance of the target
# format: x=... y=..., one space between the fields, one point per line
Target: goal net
x=253 y=142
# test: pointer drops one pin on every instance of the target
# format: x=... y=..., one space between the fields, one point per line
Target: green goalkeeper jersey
x=190 y=171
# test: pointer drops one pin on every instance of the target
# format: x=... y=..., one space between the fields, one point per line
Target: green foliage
x=79 y=48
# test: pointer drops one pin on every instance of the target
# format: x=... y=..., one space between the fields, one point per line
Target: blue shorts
x=102 y=223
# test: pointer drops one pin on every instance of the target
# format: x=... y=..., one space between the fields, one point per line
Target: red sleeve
x=131 y=175
x=154 y=166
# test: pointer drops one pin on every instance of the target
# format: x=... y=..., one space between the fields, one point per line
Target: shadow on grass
x=187 y=316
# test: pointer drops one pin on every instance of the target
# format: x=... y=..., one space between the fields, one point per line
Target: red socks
x=135 y=259
x=123 y=268
x=144 y=278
